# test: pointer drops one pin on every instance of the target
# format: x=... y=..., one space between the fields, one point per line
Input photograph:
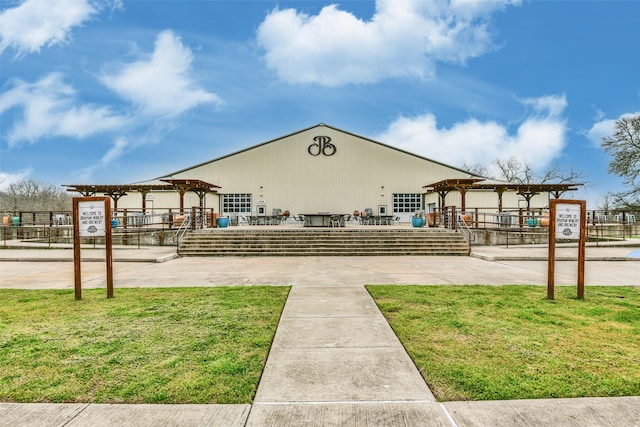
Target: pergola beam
x=464 y=185
x=116 y=191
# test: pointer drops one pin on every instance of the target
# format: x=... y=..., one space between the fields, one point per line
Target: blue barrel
x=114 y=223
x=16 y=220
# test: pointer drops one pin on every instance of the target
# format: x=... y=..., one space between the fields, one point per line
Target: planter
x=223 y=221
x=16 y=221
x=417 y=222
x=431 y=217
x=532 y=222
x=114 y=223
x=178 y=220
x=544 y=220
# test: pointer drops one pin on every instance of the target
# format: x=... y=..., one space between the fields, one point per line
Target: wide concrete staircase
x=356 y=241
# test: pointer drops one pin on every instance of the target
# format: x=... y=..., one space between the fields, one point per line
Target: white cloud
x=539 y=139
x=48 y=111
x=8 y=178
x=160 y=85
x=604 y=127
x=549 y=106
x=37 y=23
x=403 y=38
x=116 y=151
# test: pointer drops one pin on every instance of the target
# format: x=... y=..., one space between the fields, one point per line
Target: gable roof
x=308 y=129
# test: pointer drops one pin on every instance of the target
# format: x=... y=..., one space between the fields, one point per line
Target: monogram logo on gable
x=322 y=145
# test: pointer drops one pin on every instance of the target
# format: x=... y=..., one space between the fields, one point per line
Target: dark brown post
x=144 y=201
x=181 y=191
x=109 y=247
x=76 y=252
x=551 y=272
x=582 y=248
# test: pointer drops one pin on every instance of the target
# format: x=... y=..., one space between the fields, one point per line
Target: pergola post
x=500 y=191
x=463 y=195
x=115 y=196
x=181 y=191
x=144 y=193
x=443 y=196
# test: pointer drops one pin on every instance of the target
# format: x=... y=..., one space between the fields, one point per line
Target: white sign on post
x=92 y=220
x=568 y=221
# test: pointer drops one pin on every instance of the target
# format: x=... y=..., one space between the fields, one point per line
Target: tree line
x=33 y=195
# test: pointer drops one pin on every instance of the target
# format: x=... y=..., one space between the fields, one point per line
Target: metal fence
x=601 y=224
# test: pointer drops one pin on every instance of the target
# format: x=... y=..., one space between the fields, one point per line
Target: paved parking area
x=334 y=359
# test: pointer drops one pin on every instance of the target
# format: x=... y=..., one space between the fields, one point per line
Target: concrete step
x=360 y=241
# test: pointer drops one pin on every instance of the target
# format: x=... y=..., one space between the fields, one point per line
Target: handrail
x=464 y=228
x=182 y=230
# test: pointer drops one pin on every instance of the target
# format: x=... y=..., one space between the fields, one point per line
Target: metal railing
x=462 y=225
x=182 y=230
x=601 y=225
x=57 y=226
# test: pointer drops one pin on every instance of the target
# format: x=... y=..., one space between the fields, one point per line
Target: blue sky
x=118 y=91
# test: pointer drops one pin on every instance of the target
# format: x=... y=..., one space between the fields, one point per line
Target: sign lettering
x=568 y=221
x=91 y=219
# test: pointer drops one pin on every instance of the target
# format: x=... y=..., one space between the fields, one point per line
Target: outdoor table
x=320 y=219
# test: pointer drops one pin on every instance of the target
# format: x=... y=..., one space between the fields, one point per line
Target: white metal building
x=322 y=169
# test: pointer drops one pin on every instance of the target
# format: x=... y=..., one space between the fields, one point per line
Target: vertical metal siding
x=352 y=178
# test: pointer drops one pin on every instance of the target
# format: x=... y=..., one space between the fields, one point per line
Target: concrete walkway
x=333 y=349
x=334 y=359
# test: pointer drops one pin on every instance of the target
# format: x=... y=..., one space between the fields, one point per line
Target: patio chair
x=298 y=219
x=394 y=220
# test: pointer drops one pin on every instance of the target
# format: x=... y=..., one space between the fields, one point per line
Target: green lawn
x=510 y=342
x=172 y=345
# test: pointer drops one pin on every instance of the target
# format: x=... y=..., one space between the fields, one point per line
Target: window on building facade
x=407 y=202
x=236 y=203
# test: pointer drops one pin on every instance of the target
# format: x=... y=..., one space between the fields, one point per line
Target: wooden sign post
x=567 y=219
x=92 y=218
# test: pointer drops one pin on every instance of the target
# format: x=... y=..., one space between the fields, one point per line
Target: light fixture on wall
x=382 y=191
x=261 y=192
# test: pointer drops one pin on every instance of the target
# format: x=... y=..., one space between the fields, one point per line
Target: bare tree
x=513 y=170
x=624 y=146
x=476 y=169
x=32 y=195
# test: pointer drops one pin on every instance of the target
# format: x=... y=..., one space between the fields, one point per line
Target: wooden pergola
x=116 y=191
x=444 y=187
x=199 y=187
x=527 y=191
